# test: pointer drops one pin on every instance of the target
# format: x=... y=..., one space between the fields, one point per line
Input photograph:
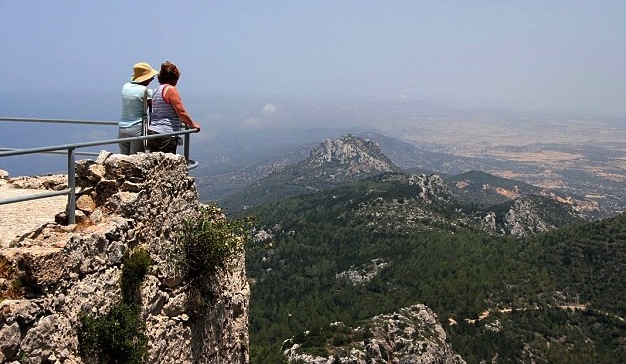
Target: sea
x=53 y=105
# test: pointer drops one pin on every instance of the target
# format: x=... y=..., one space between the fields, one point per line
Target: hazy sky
x=561 y=55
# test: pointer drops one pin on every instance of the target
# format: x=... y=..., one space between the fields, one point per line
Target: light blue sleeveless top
x=164 y=118
x=132 y=104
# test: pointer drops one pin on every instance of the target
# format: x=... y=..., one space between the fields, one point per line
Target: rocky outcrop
x=349 y=156
x=411 y=335
x=489 y=221
x=57 y=273
x=54 y=182
x=529 y=215
x=411 y=209
x=432 y=187
x=522 y=220
x=363 y=273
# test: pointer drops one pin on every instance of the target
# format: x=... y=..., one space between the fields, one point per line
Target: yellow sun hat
x=142 y=72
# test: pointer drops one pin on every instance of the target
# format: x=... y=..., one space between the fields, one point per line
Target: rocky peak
x=352 y=154
x=346 y=159
x=523 y=219
x=332 y=163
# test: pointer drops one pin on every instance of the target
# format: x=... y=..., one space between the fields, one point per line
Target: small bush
x=117 y=337
x=134 y=270
x=316 y=351
x=6 y=269
x=208 y=242
x=340 y=340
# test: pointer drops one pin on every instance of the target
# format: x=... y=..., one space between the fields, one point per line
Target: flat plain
x=584 y=157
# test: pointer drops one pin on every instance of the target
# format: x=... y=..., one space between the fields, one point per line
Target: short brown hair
x=169 y=73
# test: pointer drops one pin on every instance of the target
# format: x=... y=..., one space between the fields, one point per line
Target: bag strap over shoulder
x=145 y=102
x=145 y=120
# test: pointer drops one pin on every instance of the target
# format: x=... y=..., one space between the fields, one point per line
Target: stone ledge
x=127 y=202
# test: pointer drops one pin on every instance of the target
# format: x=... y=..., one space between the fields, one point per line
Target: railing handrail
x=60 y=121
x=90 y=144
x=71 y=156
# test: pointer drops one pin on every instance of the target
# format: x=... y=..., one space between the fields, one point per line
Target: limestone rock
x=126 y=202
x=9 y=340
x=432 y=187
x=52 y=336
x=411 y=335
x=522 y=220
x=349 y=156
x=55 y=182
x=20 y=311
x=86 y=203
x=362 y=274
x=489 y=221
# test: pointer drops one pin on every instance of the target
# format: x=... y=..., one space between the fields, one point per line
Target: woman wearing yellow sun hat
x=136 y=98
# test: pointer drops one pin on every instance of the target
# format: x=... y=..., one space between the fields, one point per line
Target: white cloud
x=269 y=109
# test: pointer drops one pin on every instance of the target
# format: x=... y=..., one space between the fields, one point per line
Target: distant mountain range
x=500 y=202
x=251 y=159
x=251 y=156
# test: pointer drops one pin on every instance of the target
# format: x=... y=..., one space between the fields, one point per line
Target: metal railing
x=70 y=149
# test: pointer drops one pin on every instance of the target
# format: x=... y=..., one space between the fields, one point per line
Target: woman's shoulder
x=133 y=86
x=134 y=89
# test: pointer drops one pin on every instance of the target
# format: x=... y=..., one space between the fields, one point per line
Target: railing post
x=186 y=146
x=71 y=182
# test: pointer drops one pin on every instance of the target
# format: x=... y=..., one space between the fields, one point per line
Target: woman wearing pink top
x=168 y=112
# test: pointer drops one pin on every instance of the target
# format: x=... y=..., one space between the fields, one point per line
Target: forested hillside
x=554 y=297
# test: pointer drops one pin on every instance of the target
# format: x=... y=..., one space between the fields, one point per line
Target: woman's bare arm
x=173 y=98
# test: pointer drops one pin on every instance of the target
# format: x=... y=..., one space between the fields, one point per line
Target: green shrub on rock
x=134 y=271
x=209 y=241
x=119 y=336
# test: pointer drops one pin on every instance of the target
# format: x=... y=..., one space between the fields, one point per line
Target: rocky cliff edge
x=57 y=274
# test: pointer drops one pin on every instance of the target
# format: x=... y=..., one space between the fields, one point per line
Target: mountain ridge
x=353 y=158
x=583 y=173
x=331 y=163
